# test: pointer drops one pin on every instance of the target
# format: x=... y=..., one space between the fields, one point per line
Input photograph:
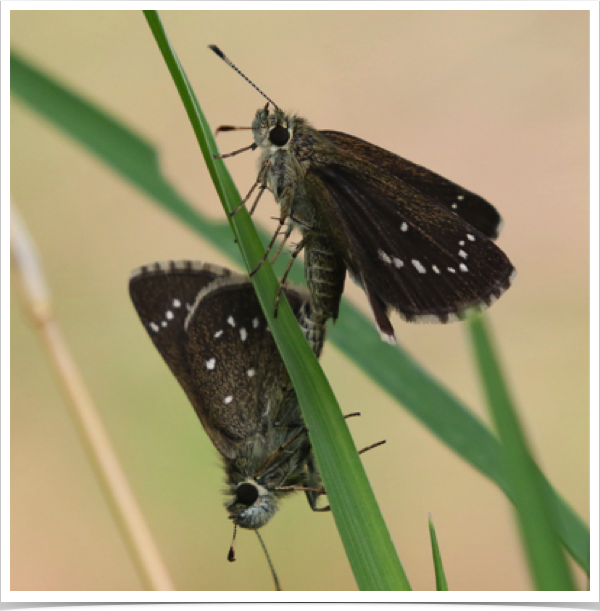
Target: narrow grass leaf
x=547 y=562
x=365 y=536
x=440 y=577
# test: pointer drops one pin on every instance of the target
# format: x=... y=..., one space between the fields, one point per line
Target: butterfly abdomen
x=325 y=273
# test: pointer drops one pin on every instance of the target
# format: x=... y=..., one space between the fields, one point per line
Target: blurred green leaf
x=546 y=559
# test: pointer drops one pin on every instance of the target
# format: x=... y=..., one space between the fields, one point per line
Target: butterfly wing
x=408 y=252
x=163 y=294
x=231 y=373
x=238 y=371
x=475 y=210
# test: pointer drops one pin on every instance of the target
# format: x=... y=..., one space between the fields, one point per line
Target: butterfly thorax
x=287 y=145
x=265 y=463
x=290 y=147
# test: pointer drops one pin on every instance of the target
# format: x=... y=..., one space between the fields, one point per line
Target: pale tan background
x=497 y=101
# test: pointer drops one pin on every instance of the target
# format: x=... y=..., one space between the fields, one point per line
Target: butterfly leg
x=296 y=252
x=260 y=180
x=251 y=147
x=262 y=189
x=243 y=202
x=286 y=235
x=280 y=450
x=316 y=487
x=282 y=221
x=373 y=445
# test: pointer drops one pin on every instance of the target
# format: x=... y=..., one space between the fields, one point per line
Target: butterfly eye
x=279 y=135
x=246 y=494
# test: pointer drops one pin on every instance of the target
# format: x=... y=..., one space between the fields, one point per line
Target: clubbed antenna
x=231 y=553
x=232 y=65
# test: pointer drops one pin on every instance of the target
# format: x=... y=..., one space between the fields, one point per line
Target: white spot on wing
x=218 y=333
x=461 y=243
x=154 y=327
x=228 y=400
x=164 y=323
x=255 y=323
x=243 y=334
x=231 y=321
x=435 y=268
x=452 y=270
x=210 y=364
x=250 y=373
x=169 y=315
x=418 y=266
x=470 y=237
x=460 y=197
x=454 y=206
x=398 y=262
x=463 y=267
x=176 y=303
x=404 y=227
x=383 y=256
x=462 y=253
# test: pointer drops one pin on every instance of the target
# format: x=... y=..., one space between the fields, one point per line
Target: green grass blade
x=366 y=539
x=547 y=562
x=440 y=576
x=391 y=367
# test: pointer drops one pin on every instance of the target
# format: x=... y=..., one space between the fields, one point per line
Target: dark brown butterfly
x=207 y=324
x=413 y=240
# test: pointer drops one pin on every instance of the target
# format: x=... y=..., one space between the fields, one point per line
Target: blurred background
x=494 y=100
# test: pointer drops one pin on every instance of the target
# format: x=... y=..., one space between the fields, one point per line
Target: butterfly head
x=252 y=506
x=273 y=130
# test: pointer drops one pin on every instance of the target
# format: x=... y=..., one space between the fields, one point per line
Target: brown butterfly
x=413 y=240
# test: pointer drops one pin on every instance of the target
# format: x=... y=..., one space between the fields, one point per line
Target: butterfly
x=415 y=242
x=207 y=324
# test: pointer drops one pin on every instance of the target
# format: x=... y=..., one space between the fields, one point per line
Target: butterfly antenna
x=232 y=65
x=231 y=554
x=273 y=573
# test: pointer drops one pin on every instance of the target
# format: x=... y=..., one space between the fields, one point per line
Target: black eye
x=246 y=494
x=279 y=135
